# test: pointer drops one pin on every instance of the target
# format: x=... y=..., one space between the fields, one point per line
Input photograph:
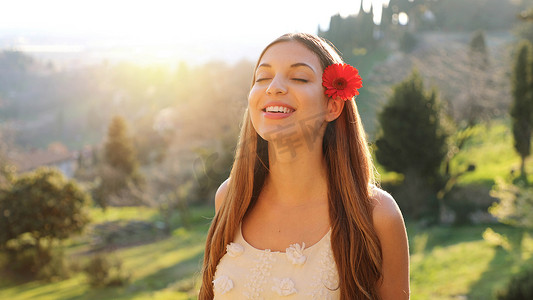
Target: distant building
x=61 y=158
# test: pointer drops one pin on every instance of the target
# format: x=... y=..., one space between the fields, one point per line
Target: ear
x=335 y=107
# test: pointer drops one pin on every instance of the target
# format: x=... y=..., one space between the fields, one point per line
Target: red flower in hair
x=341 y=80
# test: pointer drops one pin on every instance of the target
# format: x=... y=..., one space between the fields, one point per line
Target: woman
x=300 y=215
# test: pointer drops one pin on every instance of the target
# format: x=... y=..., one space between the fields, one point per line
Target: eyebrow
x=265 y=65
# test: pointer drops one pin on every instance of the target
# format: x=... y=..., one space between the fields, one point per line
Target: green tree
x=350 y=33
x=44 y=204
x=411 y=136
x=478 y=50
x=40 y=207
x=412 y=142
x=522 y=107
x=479 y=99
x=118 y=176
x=119 y=150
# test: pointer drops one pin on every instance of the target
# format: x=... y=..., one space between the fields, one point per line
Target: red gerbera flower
x=341 y=80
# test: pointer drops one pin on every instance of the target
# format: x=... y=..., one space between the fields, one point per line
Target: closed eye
x=300 y=79
x=261 y=79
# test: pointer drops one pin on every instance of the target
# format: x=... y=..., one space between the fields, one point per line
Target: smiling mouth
x=278 y=109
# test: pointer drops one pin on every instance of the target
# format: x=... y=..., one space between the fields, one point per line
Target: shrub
x=26 y=261
x=520 y=287
x=103 y=271
x=57 y=268
x=39 y=208
x=45 y=205
x=121 y=233
x=496 y=239
x=465 y=201
x=515 y=206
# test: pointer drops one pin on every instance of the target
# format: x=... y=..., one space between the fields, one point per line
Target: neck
x=297 y=178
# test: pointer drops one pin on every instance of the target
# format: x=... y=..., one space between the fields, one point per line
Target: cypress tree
x=522 y=108
x=119 y=149
x=477 y=42
x=411 y=142
x=411 y=137
x=479 y=80
x=478 y=50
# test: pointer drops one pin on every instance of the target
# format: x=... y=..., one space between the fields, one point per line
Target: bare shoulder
x=390 y=228
x=386 y=211
x=221 y=193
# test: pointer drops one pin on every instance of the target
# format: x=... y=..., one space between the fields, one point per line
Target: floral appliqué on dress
x=284 y=287
x=259 y=274
x=222 y=284
x=297 y=273
x=326 y=280
x=234 y=249
x=295 y=254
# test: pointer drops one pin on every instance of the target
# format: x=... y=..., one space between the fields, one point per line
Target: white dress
x=245 y=272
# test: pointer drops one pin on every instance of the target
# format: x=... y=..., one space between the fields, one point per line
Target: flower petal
x=341 y=72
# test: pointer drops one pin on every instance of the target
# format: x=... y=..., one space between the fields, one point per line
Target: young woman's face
x=287 y=99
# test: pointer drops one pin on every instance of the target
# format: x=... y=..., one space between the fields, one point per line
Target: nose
x=276 y=87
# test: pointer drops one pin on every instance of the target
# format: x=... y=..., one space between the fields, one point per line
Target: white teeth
x=279 y=109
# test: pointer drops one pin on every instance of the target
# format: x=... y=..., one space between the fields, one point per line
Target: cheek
x=317 y=98
x=322 y=92
x=323 y=98
x=253 y=96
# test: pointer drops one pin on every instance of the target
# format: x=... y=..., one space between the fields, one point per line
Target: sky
x=193 y=30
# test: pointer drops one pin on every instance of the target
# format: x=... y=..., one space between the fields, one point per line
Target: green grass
x=492 y=151
x=452 y=262
x=165 y=269
x=446 y=263
x=122 y=213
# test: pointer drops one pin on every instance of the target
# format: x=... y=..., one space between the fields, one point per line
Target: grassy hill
x=491 y=150
x=161 y=269
x=446 y=262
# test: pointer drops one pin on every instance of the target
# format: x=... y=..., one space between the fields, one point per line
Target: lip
x=277 y=103
x=271 y=115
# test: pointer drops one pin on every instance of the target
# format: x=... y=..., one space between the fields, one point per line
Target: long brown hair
x=355 y=244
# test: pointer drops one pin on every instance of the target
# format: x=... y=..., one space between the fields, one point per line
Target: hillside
x=447 y=262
